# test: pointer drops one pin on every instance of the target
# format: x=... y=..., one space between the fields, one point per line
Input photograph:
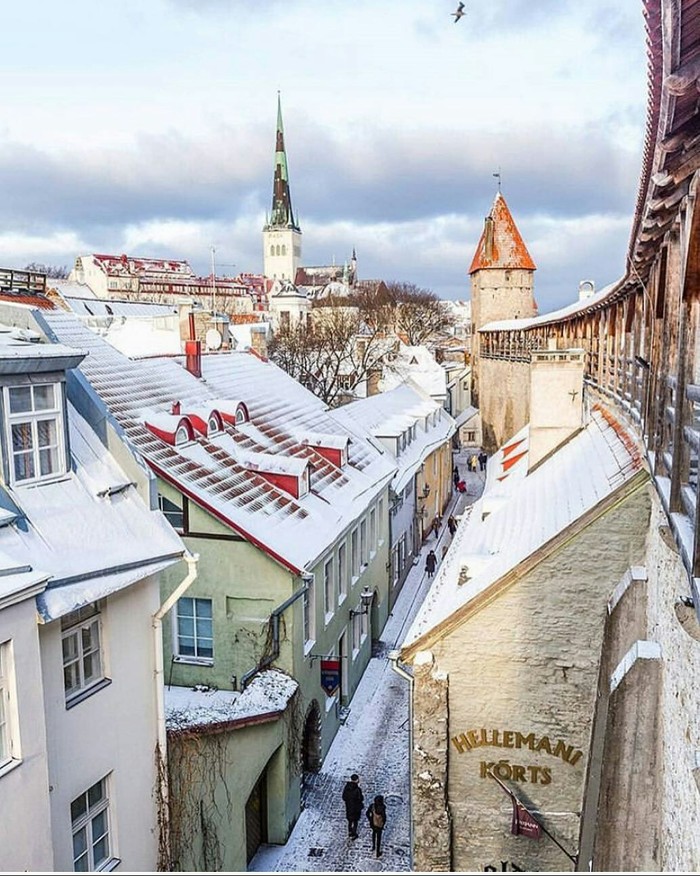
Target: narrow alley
x=373 y=742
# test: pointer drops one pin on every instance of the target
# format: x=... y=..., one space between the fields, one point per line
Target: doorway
x=256 y=817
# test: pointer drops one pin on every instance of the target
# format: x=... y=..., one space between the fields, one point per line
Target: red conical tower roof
x=500 y=244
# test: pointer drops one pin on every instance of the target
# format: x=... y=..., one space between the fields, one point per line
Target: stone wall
x=523 y=676
x=431 y=820
x=504 y=401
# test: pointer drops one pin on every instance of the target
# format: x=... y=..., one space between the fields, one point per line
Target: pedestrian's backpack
x=377 y=820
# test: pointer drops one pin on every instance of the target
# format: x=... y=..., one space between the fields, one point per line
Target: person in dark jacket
x=354 y=800
x=376 y=815
x=430 y=563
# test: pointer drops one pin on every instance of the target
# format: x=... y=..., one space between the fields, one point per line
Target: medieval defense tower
x=502 y=274
x=281 y=234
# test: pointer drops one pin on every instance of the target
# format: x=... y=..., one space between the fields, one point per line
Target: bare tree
x=333 y=355
x=419 y=313
x=57 y=272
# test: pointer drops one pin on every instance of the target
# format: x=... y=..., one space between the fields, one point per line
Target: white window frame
x=174 y=514
x=196 y=658
x=32 y=418
x=355 y=562
x=10 y=750
x=74 y=627
x=342 y=573
x=373 y=531
x=364 y=552
x=329 y=588
x=309 y=611
x=85 y=823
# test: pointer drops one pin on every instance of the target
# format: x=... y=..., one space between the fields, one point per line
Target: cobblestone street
x=373 y=742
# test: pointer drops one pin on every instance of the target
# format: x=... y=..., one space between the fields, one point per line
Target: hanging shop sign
x=330 y=675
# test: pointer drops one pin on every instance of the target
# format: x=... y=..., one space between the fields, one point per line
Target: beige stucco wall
x=111 y=733
x=504 y=400
x=527 y=663
x=213 y=776
x=24 y=789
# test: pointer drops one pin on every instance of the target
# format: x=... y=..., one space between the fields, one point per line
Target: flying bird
x=459 y=13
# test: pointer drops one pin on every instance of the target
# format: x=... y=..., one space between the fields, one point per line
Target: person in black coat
x=376 y=815
x=430 y=563
x=354 y=800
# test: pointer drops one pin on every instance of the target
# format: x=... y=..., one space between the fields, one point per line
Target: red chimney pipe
x=193 y=357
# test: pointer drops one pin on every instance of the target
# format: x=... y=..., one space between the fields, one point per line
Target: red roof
x=33 y=300
x=500 y=244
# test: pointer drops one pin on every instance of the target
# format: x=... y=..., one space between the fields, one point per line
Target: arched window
x=242 y=414
x=284 y=249
x=272 y=250
x=215 y=424
x=182 y=436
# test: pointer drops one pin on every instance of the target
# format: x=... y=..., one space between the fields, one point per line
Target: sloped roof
x=500 y=244
x=88 y=545
x=397 y=410
x=417 y=364
x=592 y=466
x=211 y=470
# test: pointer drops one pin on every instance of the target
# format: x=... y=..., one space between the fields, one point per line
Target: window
x=195 y=636
x=284 y=249
x=354 y=555
x=309 y=610
x=9 y=737
x=328 y=591
x=82 y=651
x=364 y=559
x=35 y=431
x=342 y=573
x=174 y=513
x=89 y=815
x=373 y=529
x=182 y=435
x=356 y=633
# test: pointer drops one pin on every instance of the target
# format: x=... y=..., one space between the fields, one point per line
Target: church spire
x=282 y=215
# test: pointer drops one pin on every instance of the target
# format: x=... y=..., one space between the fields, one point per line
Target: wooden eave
x=505 y=582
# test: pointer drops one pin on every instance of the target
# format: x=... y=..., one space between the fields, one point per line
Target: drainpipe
x=275 y=615
x=399 y=670
x=159 y=675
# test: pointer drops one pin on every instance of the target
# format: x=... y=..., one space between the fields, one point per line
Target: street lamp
x=366 y=598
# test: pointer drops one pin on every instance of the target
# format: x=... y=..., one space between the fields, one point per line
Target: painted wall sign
x=330 y=675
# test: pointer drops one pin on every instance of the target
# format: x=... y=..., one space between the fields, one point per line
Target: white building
x=80 y=553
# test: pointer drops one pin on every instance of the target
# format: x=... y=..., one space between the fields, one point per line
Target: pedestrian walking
x=376 y=815
x=436 y=527
x=473 y=462
x=430 y=563
x=455 y=478
x=482 y=460
x=452 y=524
x=354 y=801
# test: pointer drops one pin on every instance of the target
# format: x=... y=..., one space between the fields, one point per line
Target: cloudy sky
x=147 y=127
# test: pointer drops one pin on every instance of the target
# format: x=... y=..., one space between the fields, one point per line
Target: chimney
x=556 y=400
x=175 y=409
x=586 y=288
x=193 y=356
x=258 y=340
x=373 y=378
x=488 y=238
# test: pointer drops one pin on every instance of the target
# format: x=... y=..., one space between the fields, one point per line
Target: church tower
x=502 y=275
x=281 y=234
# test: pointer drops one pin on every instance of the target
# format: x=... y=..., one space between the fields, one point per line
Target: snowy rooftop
x=395 y=411
x=268 y=694
x=590 y=467
x=417 y=364
x=294 y=531
x=83 y=305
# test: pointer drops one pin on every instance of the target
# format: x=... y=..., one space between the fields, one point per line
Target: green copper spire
x=282 y=215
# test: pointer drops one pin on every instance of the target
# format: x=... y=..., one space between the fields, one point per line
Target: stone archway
x=311 y=740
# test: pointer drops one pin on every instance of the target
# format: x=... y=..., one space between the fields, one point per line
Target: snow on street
x=373 y=742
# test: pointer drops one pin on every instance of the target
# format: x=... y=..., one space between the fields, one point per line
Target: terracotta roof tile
x=500 y=244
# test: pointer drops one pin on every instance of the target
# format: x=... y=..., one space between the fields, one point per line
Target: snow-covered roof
x=394 y=412
x=545 y=318
x=417 y=364
x=294 y=531
x=590 y=467
x=137 y=336
x=82 y=305
x=465 y=415
x=267 y=695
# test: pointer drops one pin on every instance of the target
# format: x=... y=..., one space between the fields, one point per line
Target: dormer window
x=35 y=431
x=242 y=415
x=215 y=424
x=183 y=435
